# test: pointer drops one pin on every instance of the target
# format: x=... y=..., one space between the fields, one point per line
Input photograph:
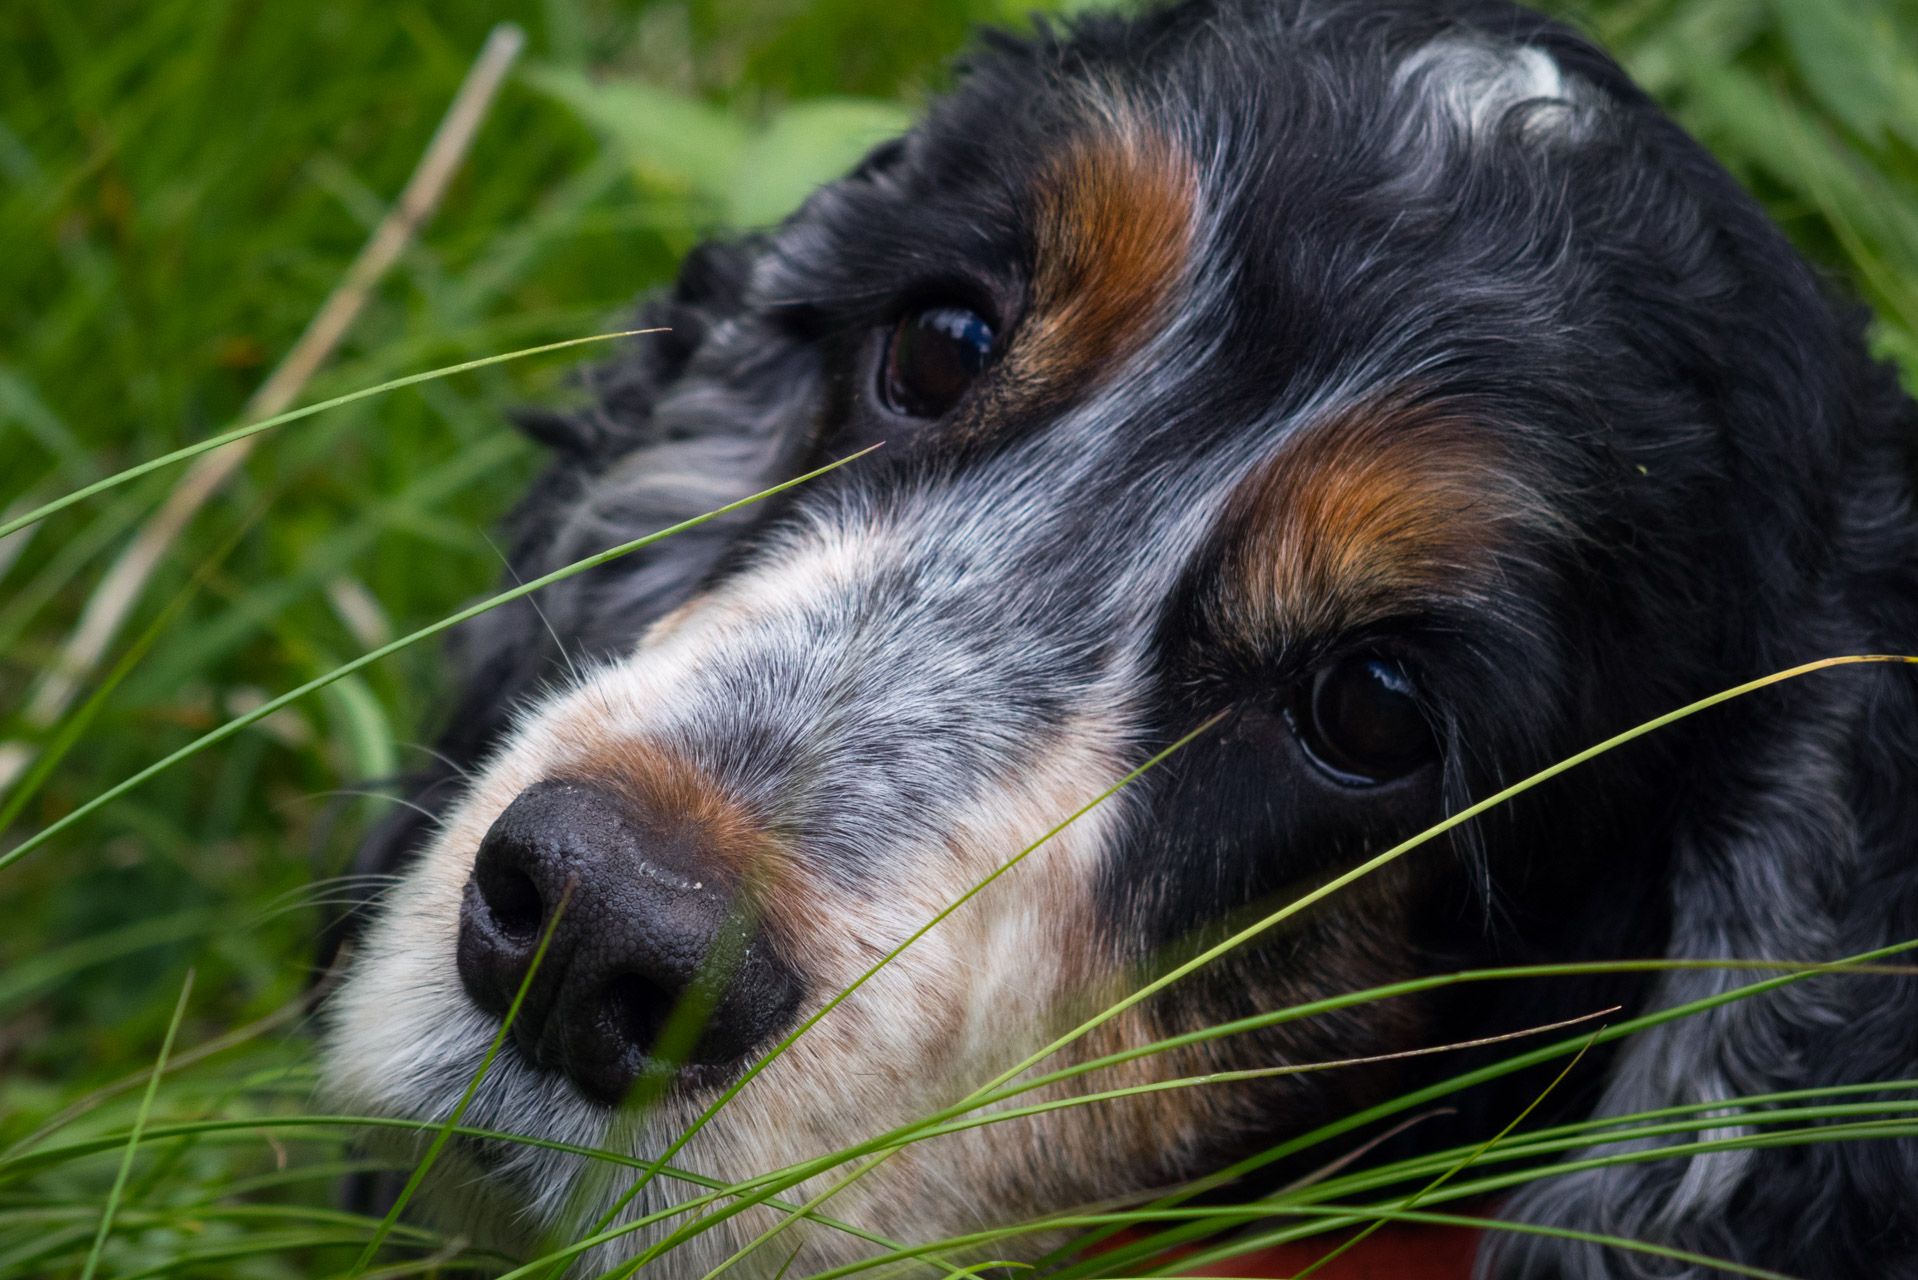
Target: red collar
x=1396 y=1251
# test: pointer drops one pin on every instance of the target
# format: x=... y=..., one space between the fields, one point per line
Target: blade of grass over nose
x=252 y=429
x=267 y=708
x=780 y=1048
x=425 y=1165
x=133 y=1137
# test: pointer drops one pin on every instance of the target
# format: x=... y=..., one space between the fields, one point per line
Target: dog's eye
x=1361 y=721
x=934 y=356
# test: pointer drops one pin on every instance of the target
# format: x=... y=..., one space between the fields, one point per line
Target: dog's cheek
x=990 y=980
x=401 y=1019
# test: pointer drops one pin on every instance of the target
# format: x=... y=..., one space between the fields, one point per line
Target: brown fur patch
x=1356 y=517
x=1114 y=230
x=667 y=790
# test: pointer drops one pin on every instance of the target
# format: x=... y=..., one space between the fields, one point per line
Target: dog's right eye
x=1361 y=721
x=934 y=356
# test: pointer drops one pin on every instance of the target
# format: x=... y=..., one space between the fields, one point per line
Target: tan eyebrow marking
x=1114 y=232
x=1358 y=516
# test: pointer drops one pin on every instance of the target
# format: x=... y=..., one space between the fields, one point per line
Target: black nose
x=651 y=940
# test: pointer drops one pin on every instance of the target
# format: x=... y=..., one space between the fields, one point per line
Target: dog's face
x=1297 y=365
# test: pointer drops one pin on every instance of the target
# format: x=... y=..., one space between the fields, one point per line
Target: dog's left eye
x=934 y=356
x=1361 y=721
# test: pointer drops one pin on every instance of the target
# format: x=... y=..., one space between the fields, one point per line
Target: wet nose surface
x=650 y=928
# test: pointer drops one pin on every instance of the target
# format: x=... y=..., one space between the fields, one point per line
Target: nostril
x=514 y=901
x=637 y=911
x=639 y=1008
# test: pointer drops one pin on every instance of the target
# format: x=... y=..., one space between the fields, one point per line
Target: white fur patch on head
x=1470 y=85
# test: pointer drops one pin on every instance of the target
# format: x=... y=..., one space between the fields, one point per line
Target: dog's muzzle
x=654 y=964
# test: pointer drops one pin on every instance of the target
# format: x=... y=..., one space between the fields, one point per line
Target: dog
x=1383 y=400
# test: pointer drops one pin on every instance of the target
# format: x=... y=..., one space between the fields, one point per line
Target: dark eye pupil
x=935 y=355
x=1365 y=720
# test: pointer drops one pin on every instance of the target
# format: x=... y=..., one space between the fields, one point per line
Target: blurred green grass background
x=182 y=182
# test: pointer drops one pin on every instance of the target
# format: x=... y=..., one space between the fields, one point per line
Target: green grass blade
x=244 y=1130
x=70 y=729
x=786 y=1043
x=267 y=708
x=1426 y=836
x=267 y=424
x=1370 y=995
x=812 y=1021
x=425 y=1165
x=133 y=1138
x=1441 y=1089
x=1353 y=1215
x=1531 y=1146
x=1210 y=1078
x=1453 y=1169
x=809 y=1207
x=771 y=1184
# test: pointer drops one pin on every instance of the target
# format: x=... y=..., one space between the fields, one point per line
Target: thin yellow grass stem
x=1370 y=995
x=75 y=725
x=1411 y=1201
x=120 y=589
x=1233 y=1077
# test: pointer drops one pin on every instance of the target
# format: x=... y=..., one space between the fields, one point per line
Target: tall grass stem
x=133 y=1138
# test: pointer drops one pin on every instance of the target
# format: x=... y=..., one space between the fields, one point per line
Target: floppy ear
x=1799 y=842
x=710 y=410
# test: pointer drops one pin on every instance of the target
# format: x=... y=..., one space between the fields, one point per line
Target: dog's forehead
x=1122 y=143
x=1232 y=230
